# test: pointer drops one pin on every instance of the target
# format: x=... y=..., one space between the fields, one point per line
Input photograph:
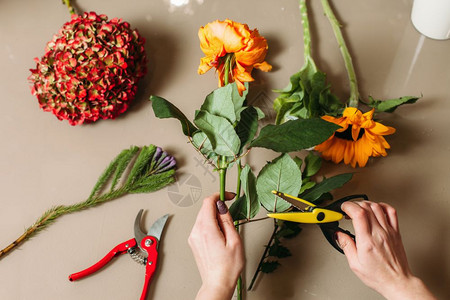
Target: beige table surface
x=45 y=162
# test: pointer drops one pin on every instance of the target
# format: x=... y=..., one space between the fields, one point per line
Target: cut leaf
x=294 y=135
x=220 y=132
x=164 y=109
x=282 y=174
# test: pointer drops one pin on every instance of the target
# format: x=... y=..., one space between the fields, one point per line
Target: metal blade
x=296 y=202
x=139 y=235
x=157 y=227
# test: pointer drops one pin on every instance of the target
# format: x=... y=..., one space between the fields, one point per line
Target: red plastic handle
x=149 y=244
x=119 y=249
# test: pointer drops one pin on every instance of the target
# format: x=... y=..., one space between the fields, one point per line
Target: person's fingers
x=347 y=245
x=359 y=216
x=380 y=215
x=391 y=215
x=227 y=226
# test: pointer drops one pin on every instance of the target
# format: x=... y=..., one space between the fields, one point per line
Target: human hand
x=378 y=257
x=217 y=249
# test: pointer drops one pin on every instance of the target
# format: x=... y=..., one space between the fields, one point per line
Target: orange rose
x=226 y=40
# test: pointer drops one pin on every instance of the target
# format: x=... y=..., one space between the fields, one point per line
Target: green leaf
x=124 y=161
x=288 y=230
x=279 y=251
x=152 y=182
x=326 y=185
x=294 y=135
x=142 y=164
x=392 y=104
x=220 y=132
x=248 y=125
x=108 y=172
x=237 y=99
x=201 y=142
x=246 y=206
x=307 y=96
x=164 y=109
x=248 y=181
x=282 y=174
x=269 y=266
x=306 y=185
x=312 y=164
x=238 y=210
x=220 y=103
x=298 y=161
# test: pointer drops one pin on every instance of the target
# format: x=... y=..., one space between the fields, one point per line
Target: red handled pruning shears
x=326 y=217
x=143 y=248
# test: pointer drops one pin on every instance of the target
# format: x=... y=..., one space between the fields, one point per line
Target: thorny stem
x=69 y=6
x=51 y=215
x=354 y=93
x=272 y=237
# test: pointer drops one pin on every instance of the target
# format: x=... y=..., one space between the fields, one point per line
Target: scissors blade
x=157 y=227
x=294 y=201
x=139 y=235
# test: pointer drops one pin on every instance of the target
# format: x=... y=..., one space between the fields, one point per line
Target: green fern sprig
x=149 y=169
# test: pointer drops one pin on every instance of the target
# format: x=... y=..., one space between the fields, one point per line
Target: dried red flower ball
x=90 y=69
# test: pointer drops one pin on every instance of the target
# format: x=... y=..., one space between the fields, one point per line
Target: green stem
x=222 y=176
x=69 y=6
x=227 y=67
x=55 y=212
x=306 y=35
x=263 y=257
x=354 y=93
x=236 y=223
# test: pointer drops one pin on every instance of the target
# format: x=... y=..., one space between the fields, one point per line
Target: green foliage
x=203 y=144
x=326 y=186
x=390 y=105
x=278 y=250
x=220 y=132
x=288 y=230
x=282 y=174
x=148 y=173
x=294 y=135
x=306 y=96
x=269 y=266
x=312 y=164
x=220 y=103
x=247 y=206
x=247 y=126
x=164 y=109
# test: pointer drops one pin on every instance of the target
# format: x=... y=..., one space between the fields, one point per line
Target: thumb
x=347 y=245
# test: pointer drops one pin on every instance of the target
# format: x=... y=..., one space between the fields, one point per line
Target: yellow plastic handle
x=317 y=216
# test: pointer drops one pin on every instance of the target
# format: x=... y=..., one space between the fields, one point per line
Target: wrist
x=210 y=292
x=409 y=288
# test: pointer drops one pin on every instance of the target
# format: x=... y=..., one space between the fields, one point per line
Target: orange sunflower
x=359 y=138
x=244 y=49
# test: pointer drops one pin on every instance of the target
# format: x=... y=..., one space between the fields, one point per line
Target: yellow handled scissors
x=326 y=217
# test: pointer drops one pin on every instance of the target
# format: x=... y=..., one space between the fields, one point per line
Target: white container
x=432 y=18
